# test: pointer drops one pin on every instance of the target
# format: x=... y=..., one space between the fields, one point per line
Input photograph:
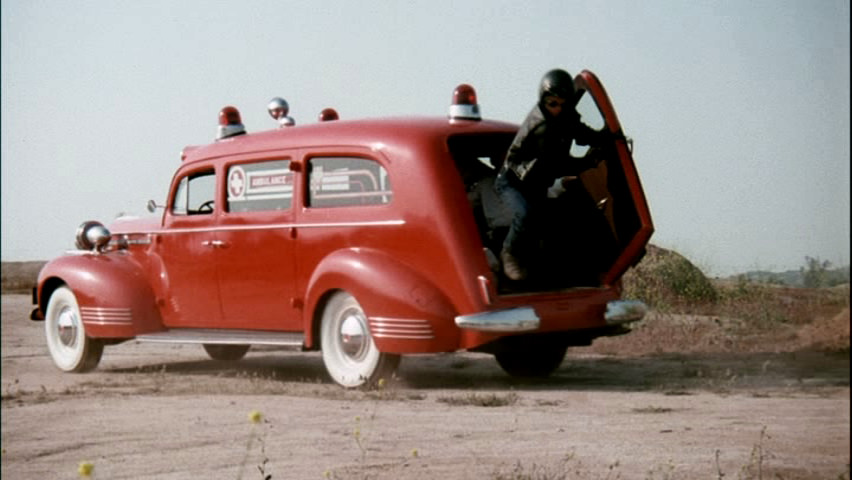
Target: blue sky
x=739 y=110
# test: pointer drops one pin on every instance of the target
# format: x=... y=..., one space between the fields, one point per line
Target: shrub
x=665 y=279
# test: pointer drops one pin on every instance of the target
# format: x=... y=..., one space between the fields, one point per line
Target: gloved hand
x=558 y=187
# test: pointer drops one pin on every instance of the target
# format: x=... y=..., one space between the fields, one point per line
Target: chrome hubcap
x=353 y=334
x=66 y=326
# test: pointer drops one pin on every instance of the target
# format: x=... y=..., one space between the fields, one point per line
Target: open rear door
x=614 y=184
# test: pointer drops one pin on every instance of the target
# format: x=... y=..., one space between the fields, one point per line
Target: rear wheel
x=532 y=363
x=348 y=351
x=226 y=353
x=70 y=348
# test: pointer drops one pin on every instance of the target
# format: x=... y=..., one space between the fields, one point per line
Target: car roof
x=386 y=132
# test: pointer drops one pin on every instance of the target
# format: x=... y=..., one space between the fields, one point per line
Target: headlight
x=92 y=235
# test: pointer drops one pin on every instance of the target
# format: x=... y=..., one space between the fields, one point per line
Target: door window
x=195 y=194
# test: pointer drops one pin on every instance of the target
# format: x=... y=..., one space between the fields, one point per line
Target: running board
x=224 y=337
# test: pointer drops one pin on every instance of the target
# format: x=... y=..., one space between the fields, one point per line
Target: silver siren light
x=464 y=106
x=278 y=109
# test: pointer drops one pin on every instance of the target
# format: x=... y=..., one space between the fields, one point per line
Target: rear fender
x=112 y=292
x=406 y=312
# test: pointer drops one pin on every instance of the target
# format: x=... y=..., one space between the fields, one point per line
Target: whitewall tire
x=348 y=351
x=71 y=349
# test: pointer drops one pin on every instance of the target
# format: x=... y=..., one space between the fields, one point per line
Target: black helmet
x=557 y=82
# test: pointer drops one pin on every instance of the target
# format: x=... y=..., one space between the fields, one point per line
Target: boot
x=511 y=267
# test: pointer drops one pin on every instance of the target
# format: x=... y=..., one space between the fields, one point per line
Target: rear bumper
x=525 y=319
x=619 y=312
x=521 y=319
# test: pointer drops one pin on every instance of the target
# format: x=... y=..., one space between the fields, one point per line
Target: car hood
x=131 y=224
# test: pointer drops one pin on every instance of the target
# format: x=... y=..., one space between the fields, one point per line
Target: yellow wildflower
x=85 y=469
x=255 y=416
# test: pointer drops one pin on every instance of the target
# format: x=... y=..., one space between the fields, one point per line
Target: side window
x=195 y=194
x=347 y=181
x=260 y=186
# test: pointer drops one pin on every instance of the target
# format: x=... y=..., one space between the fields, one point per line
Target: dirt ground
x=167 y=412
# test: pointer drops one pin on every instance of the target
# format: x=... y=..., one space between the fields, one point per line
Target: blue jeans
x=518 y=204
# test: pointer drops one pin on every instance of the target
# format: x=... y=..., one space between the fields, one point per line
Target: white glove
x=558 y=187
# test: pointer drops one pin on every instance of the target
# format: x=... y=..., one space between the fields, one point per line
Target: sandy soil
x=167 y=412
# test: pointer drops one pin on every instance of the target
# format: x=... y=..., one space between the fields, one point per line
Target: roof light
x=328 y=114
x=464 y=105
x=230 y=123
x=278 y=109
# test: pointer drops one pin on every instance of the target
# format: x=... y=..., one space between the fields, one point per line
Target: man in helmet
x=538 y=164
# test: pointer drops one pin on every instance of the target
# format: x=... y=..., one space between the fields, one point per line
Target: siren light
x=464 y=106
x=328 y=114
x=278 y=109
x=230 y=123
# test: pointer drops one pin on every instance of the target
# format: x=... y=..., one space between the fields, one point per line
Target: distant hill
x=20 y=277
x=795 y=278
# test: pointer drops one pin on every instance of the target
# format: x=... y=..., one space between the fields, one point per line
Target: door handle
x=214 y=243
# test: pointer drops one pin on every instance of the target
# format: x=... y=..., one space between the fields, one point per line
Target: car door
x=187 y=248
x=256 y=250
x=614 y=184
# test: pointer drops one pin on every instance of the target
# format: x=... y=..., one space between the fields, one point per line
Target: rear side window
x=260 y=186
x=347 y=181
x=591 y=116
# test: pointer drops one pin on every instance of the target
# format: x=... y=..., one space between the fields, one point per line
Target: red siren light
x=464 y=106
x=328 y=114
x=230 y=123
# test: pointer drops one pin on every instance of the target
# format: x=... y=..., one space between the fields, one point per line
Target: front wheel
x=348 y=351
x=71 y=349
x=533 y=363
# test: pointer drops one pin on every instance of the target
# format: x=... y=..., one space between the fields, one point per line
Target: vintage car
x=364 y=239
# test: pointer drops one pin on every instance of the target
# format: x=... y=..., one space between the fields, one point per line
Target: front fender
x=407 y=313
x=112 y=292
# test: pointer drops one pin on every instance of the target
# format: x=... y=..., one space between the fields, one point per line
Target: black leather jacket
x=540 y=151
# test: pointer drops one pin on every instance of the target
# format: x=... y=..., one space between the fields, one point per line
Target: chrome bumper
x=521 y=319
x=624 y=311
x=524 y=319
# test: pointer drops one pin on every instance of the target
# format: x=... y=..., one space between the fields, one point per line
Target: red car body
x=372 y=219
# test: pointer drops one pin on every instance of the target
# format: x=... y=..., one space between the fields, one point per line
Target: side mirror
x=152 y=206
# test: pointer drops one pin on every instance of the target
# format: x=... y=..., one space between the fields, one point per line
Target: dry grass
x=481 y=400
x=696 y=314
